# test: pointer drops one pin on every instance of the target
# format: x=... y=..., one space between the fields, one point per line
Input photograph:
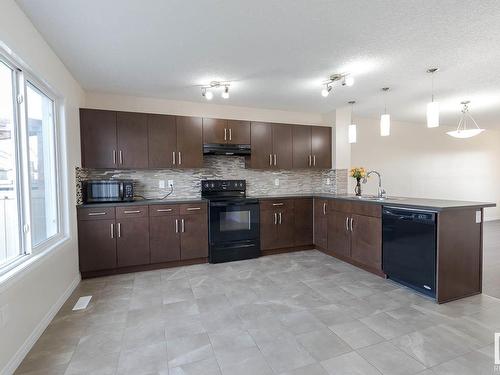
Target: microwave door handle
x=121 y=191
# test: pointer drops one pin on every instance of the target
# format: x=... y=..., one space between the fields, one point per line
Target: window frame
x=23 y=77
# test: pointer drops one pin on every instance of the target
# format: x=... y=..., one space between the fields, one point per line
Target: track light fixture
x=344 y=78
x=207 y=90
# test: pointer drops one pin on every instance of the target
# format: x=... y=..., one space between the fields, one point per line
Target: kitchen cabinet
x=366 y=240
x=271 y=146
x=303 y=221
x=164 y=235
x=96 y=244
x=312 y=147
x=226 y=131
x=339 y=235
x=162 y=141
x=132 y=140
x=189 y=142
x=276 y=224
x=321 y=223
x=194 y=231
x=98 y=138
x=132 y=239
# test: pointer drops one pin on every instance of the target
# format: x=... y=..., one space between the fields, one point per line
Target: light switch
x=479 y=217
x=161 y=184
x=328 y=181
x=276 y=182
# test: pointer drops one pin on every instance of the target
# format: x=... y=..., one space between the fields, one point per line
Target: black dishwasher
x=409 y=248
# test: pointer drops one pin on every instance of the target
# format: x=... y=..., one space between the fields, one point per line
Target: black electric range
x=233 y=221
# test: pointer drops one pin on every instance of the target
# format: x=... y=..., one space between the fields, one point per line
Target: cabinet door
x=194 y=236
x=261 y=139
x=132 y=139
x=339 y=233
x=282 y=146
x=98 y=138
x=303 y=219
x=286 y=228
x=321 y=223
x=302 y=156
x=189 y=142
x=321 y=144
x=215 y=130
x=162 y=141
x=96 y=245
x=366 y=241
x=133 y=241
x=268 y=229
x=164 y=238
x=238 y=132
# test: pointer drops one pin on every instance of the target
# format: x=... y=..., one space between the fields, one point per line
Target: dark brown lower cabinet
x=366 y=241
x=303 y=221
x=339 y=235
x=321 y=223
x=164 y=239
x=277 y=225
x=194 y=236
x=96 y=244
x=132 y=243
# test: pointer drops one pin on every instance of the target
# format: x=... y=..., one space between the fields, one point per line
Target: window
x=29 y=202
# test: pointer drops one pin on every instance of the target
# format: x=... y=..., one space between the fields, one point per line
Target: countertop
x=418 y=203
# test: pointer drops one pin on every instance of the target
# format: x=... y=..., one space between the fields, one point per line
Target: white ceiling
x=278 y=52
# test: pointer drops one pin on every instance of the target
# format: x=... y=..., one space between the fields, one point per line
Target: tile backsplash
x=187 y=182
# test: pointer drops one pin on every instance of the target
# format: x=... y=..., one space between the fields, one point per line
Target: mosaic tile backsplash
x=187 y=182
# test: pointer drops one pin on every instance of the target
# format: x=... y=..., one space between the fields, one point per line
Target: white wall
x=203 y=109
x=418 y=162
x=31 y=297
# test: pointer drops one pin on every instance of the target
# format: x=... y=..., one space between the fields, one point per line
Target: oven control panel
x=222 y=185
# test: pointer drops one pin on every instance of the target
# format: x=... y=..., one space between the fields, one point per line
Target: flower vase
x=357 y=188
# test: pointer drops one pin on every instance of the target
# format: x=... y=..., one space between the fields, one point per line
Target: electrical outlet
x=328 y=182
x=276 y=182
x=170 y=183
x=161 y=184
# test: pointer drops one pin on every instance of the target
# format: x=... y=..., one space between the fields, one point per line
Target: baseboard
x=15 y=361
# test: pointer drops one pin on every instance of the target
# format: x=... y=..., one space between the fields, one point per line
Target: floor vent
x=82 y=303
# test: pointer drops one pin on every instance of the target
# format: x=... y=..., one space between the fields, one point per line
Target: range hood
x=224 y=149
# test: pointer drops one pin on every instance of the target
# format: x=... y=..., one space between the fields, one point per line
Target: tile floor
x=297 y=313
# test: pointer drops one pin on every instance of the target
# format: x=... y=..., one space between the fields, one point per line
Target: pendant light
x=385 y=119
x=352 y=127
x=432 y=107
x=462 y=130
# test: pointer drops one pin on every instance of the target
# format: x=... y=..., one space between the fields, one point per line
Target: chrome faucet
x=380 y=191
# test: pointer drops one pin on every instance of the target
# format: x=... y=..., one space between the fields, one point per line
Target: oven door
x=232 y=221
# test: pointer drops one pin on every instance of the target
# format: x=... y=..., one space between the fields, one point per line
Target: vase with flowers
x=358 y=173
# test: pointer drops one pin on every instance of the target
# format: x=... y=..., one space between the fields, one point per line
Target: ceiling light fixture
x=462 y=130
x=207 y=93
x=432 y=107
x=385 y=119
x=345 y=78
x=352 y=132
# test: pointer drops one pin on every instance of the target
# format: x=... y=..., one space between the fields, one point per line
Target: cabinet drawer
x=339 y=205
x=193 y=208
x=163 y=210
x=367 y=209
x=96 y=213
x=276 y=204
x=131 y=211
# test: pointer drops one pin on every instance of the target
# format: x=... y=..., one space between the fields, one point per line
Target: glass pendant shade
x=433 y=114
x=352 y=133
x=462 y=130
x=467 y=133
x=385 y=125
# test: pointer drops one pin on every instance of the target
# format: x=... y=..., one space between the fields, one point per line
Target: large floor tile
x=285 y=355
x=188 y=349
x=145 y=360
x=390 y=360
x=356 y=334
x=323 y=344
x=349 y=364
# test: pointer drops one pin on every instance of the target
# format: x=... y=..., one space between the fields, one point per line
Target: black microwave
x=95 y=191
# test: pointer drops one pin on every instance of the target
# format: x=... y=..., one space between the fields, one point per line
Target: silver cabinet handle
x=309 y=160
x=351 y=223
x=176 y=226
x=225 y=134
x=275 y=159
x=230 y=134
x=279 y=217
x=173 y=157
x=347 y=224
x=119 y=230
x=314 y=160
x=180 y=158
x=114 y=156
x=112 y=230
x=120 y=155
x=183 y=229
x=194 y=208
x=275 y=218
x=277 y=204
x=324 y=208
x=163 y=209
x=96 y=213
x=270 y=159
x=131 y=212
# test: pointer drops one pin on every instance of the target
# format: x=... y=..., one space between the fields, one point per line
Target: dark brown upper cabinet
x=98 y=138
x=189 y=142
x=312 y=147
x=132 y=139
x=162 y=138
x=226 y=131
x=271 y=146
